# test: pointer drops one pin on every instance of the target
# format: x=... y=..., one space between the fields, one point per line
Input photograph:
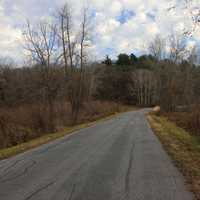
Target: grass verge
x=182 y=147
x=12 y=151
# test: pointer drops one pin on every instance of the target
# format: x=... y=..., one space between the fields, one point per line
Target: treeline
x=171 y=80
x=26 y=112
x=147 y=81
x=61 y=87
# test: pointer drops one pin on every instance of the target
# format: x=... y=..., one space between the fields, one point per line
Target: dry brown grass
x=183 y=147
x=189 y=120
x=22 y=124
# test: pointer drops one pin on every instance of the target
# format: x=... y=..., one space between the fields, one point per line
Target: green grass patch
x=183 y=147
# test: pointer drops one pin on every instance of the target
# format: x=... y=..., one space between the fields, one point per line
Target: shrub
x=22 y=123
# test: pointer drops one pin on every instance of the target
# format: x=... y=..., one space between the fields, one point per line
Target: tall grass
x=189 y=120
x=23 y=123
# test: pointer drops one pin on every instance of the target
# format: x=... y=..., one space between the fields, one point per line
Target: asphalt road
x=118 y=159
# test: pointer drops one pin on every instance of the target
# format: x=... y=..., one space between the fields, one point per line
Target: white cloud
x=10 y=38
x=151 y=17
x=115 y=8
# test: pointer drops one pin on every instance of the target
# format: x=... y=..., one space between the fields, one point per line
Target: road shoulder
x=183 y=148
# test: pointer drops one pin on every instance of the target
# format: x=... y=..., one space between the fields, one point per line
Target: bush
x=194 y=120
x=23 y=123
x=189 y=120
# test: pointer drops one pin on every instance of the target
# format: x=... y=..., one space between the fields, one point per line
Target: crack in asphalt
x=119 y=160
x=39 y=190
x=33 y=162
x=127 y=178
x=11 y=166
x=72 y=192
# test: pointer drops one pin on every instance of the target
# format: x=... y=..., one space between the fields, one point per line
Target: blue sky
x=126 y=26
x=125 y=15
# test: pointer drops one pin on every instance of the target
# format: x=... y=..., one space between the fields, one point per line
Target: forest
x=62 y=87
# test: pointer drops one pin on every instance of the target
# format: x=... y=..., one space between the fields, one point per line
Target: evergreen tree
x=107 y=61
x=123 y=59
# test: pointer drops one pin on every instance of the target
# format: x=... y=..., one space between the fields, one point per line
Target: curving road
x=118 y=159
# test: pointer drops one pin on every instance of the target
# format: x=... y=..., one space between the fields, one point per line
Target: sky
x=119 y=26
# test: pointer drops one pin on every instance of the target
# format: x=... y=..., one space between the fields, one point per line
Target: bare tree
x=145 y=86
x=192 y=10
x=65 y=35
x=177 y=48
x=192 y=57
x=73 y=47
x=41 y=44
x=157 y=48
